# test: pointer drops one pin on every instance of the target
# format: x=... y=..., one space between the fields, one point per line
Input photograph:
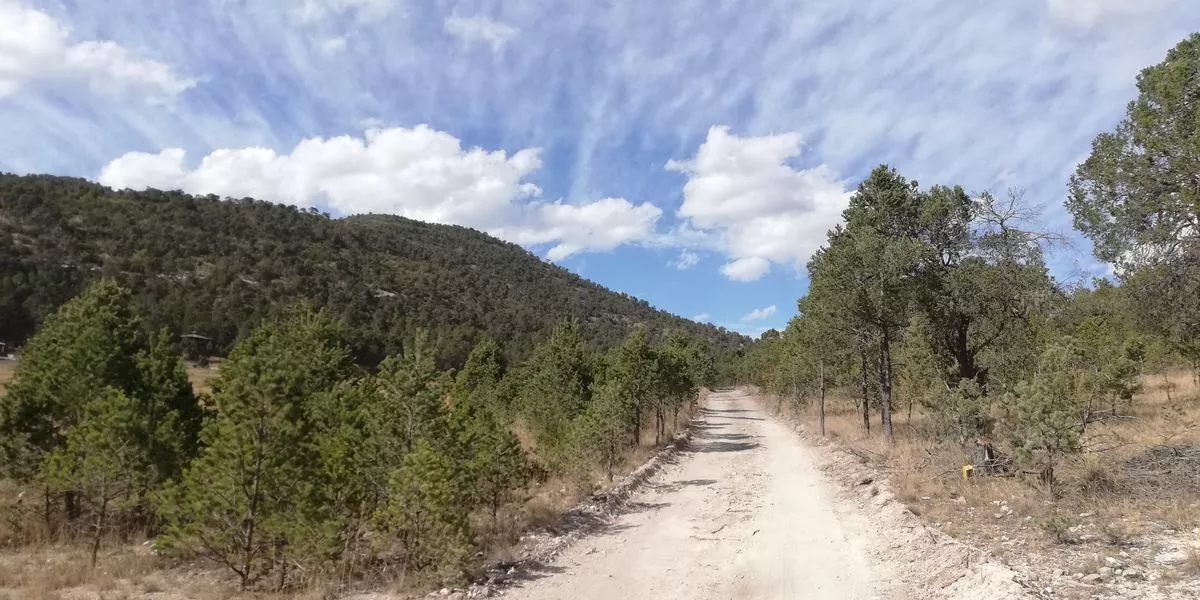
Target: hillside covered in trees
x=214 y=267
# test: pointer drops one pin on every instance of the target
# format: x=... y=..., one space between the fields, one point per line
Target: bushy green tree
x=632 y=372
x=555 y=388
x=92 y=343
x=864 y=276
x=410 y=392
x=243 y=500
x=497 y=466
x=168 y=414
x=101 y=462
x=427 y=514
x=1049 y=411
x=1137 y=197
x=92 y=348
x=605 y=429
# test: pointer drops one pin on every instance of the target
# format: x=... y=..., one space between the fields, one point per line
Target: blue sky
x=692 y=153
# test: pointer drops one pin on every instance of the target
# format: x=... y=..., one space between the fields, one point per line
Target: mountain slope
x=215 y=267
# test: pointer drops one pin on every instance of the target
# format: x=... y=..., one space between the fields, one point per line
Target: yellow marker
x=968 y=470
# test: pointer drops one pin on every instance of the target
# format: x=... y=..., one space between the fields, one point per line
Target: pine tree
x=242 y=499
x=1049 y=411
x=410 y=406
x=102 y=462
x=90 y=344
x=605 y=430
x=169 y=417
x=426 y=513
x=632 y=372
x=554 y=389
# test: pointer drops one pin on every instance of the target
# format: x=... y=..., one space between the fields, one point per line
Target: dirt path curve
x=744 y=514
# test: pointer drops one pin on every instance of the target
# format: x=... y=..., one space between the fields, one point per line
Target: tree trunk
x=866 y=403
x=71 y=505
x=660 y=424
x=99 y=530
x=822 y=402
x=48 y=511
x=637 y=424
x=885 y=385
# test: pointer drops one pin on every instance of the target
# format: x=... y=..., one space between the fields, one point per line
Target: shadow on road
x=674 y=486
x=726 y=436
x=706 y=447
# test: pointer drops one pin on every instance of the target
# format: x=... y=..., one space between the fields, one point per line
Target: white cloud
x=480 y=29
x=760 y=209
x=420 y=173
x=702 y=318
x=746 y=269
x=314 y=10
x=760 y=313
x=333 y=45
x=596 y=226
x=1088 y=12
x=687 y=259
x=35 y=49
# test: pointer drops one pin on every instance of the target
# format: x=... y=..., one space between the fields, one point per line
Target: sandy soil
x=744 y=514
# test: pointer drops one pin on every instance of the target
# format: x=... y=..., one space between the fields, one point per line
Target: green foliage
x=555 y=388
x=633 y=375
x=427 y=514
x=200 y=264
x=605 y=430
x=168 y=415
x=1136 y=197
x=410 y=390
x=1050 y=409
x=243 y=500
x=102 y=464
x=90 y=344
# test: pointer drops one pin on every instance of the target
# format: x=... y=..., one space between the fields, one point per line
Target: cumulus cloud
x=480 y=29
x=702 y=318
x=35 y=49
x=687 y=259
x=760 y=313
x=420 y=173
x=759 y=209
x=595 y=226
x=746 y=269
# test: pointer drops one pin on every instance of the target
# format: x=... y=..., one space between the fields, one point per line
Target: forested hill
x=216 y=267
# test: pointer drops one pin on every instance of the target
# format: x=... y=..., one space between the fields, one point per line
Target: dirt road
x=744 y=514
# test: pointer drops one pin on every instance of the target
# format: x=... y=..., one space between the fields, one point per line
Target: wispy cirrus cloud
x=813 y=94
x=686 y=260
x=314 y=10
x=480 y=29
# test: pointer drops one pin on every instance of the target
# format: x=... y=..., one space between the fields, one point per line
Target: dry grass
x=7 y=369
x=1109 y=501
x=200 y=377
x=49 y=571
